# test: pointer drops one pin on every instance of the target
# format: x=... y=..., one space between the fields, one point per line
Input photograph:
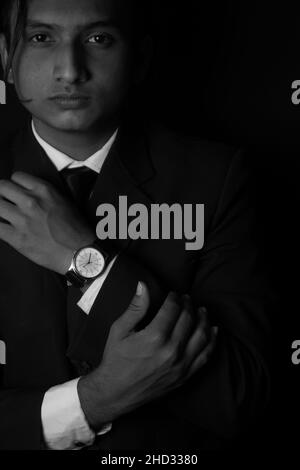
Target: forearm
x=64 y=423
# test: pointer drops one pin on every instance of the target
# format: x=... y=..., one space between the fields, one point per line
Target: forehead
x=77 y=12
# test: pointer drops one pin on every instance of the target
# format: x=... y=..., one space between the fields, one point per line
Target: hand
x=89 y=261
x=40 y=223
x=138 y=367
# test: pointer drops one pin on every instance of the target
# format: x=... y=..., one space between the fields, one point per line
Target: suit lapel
x=126 y=168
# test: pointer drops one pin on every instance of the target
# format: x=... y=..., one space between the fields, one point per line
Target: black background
x=224 y=70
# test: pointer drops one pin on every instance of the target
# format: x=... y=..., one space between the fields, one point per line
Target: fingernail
x=139 y=289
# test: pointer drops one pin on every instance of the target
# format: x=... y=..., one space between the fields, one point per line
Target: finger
x=6 y=233
x=184 y=325
x=200 y=337
x=12 y=192
x=136 y=310
x=9 y=212
x=29 y=182
x=204 y=355
x=167 y=316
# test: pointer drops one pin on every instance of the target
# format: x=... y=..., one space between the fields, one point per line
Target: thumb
x=136 y=310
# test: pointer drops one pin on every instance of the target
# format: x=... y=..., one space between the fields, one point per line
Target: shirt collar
x=61 y=160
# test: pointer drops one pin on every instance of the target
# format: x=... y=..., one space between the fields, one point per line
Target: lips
x=65 y=96
x=70 y=101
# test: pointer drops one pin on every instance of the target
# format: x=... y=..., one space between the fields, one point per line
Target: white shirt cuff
x=64 y=423
x=87 y=300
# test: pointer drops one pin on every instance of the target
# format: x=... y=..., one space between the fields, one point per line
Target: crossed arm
x=228 y=281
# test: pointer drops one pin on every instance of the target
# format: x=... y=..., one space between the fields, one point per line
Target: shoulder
x=174 y=149
x=194 y=165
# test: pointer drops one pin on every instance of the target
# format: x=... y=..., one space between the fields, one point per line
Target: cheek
x=113 y=68
x=114 y=77
x=30 y=77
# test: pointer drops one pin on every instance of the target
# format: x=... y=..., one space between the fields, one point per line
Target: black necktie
x=81 y=182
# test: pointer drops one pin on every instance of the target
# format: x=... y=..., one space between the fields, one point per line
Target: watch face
x=89 y=262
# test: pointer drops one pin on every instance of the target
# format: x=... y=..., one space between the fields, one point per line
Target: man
x=99 y=353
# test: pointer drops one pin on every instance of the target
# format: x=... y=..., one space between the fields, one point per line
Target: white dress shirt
x=64 y=423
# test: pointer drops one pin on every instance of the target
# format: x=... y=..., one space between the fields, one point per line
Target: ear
x=4 y=57
x=143 y=60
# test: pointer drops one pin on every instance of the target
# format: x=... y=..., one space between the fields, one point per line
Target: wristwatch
x=87 y=264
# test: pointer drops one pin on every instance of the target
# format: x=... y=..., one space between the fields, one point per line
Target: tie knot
x=80 y=182
x=78 y=170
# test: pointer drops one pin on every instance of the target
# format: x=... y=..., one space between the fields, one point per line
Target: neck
x=75 y=144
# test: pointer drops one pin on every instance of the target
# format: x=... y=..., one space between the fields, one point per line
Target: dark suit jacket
x=50 y=340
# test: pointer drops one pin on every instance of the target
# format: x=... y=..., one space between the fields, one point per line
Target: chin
x=71 y=124
x=70 y=121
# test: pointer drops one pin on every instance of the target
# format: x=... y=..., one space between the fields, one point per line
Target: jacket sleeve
x=20 y=419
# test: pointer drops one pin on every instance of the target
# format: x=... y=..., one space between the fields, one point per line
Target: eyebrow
x=102 y=23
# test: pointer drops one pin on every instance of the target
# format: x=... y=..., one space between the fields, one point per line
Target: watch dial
x=89 y=263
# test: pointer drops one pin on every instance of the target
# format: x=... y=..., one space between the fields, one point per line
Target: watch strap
x=75 y=279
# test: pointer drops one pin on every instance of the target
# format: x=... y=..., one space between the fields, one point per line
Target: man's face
x=76 y=48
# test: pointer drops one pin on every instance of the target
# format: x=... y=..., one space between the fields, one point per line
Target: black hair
x=13 y=18
x=13 y=15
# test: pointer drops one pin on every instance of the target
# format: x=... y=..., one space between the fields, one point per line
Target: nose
x=69 y=64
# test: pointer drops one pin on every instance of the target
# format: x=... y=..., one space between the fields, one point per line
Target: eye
x=102 y=39
x=40 y=38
